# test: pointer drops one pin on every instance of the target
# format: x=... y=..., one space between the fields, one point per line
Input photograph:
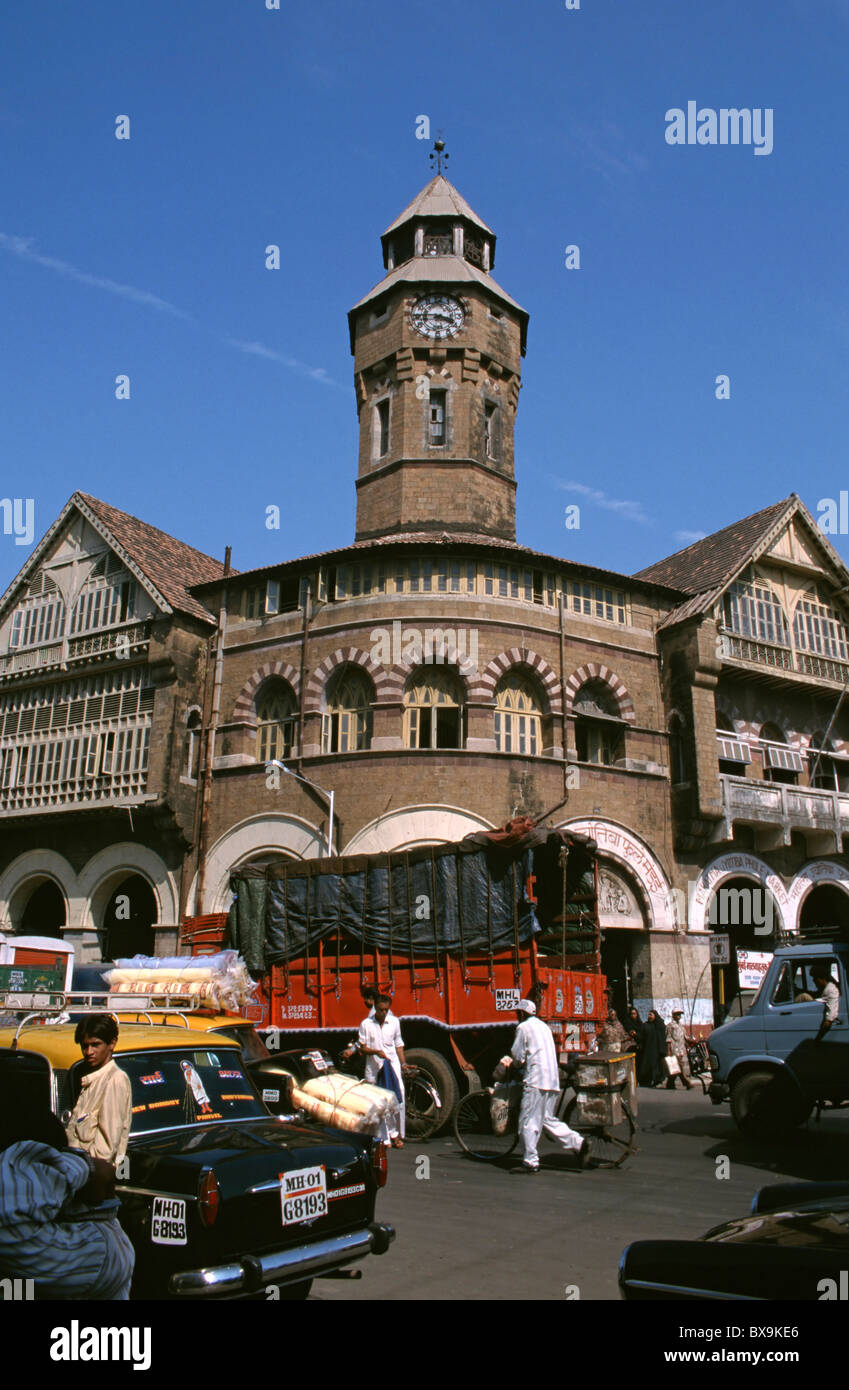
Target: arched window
x=346 y=723
x=193 y=735
x=599 y=728
x=276 y=716
x=434 y=715
x=818 y=627
x=733 y=749
x=752 y=609
x=518 y=716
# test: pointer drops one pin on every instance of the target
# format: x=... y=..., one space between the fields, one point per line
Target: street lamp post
x=310 y=783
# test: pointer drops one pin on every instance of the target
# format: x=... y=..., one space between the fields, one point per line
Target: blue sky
x=297 y=127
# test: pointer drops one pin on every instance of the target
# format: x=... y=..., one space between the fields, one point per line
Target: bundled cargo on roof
x=492 y=892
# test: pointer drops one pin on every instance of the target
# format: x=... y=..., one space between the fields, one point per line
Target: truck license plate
x=303 y=1194
x=168 y=1226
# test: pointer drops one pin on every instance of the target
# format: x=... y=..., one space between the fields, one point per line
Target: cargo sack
x=504 y=1106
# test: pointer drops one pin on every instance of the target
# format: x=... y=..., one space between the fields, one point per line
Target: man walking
x=534 y=1051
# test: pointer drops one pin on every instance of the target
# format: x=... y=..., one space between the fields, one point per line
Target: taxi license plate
x=303 y=1194
x=168 y=1225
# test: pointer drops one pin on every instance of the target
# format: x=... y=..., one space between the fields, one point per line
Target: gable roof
x=165 y=566
x=712 y=561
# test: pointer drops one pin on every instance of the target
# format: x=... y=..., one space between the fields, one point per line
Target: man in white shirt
x=829 y=993
x=534 y=1051
x=381 y=1044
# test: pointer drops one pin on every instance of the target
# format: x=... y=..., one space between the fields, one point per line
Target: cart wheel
x=610 y=1145
x=474 y=1132
x=423 y=1107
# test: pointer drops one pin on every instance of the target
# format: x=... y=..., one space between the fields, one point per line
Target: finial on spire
x=438 y=154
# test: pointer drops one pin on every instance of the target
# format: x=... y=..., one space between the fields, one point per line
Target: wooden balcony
x=126 y=641
x=775 y=810
x=768 y=657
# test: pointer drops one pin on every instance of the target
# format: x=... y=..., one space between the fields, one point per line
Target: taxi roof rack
x=48 y=1004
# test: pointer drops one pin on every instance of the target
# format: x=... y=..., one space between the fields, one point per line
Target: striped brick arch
x=245 y=706
x=398 y=675
x=592 y=672
x=344 y=656
x=531 y=663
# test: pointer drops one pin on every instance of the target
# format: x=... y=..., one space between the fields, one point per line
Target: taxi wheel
x=764 y=1105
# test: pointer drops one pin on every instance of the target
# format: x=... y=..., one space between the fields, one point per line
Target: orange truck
x=455 y=933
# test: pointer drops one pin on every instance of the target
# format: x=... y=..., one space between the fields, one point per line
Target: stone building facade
x=438 y=678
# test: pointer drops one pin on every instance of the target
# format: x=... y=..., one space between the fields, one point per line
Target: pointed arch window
x=193 y=737
x=434 y=715
x=276 y=720
x=599 y=728
x=346 y=723
x=518 y=716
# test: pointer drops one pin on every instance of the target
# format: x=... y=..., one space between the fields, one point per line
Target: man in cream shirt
x=100 y=1121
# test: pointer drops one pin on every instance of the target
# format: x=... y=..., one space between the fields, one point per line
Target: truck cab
x=769 y=1063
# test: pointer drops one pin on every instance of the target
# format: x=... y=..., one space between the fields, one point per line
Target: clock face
x=437 y=316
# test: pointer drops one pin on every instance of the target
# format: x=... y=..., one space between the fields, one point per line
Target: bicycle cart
x=602 y=1110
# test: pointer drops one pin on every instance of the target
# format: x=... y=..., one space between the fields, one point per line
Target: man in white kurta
x=380 y=1041
x=534 y=1051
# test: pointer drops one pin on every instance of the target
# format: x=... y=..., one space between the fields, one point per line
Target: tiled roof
x=438 y=199
x=708 y=563
x=473 y=540
x=171 y=565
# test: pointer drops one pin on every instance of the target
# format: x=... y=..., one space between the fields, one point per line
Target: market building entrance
x=623 y=937
x=128 y=920
x=745 y=912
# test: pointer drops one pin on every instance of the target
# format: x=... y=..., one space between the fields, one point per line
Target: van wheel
x=764 y=1103
x=439 y=1073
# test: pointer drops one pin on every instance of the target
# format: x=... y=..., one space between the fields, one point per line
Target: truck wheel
x=439 y=1073
x=764 y=1103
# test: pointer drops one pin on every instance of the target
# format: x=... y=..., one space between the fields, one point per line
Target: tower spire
x=438 y=154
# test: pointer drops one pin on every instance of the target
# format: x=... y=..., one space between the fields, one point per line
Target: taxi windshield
x=189 y=1086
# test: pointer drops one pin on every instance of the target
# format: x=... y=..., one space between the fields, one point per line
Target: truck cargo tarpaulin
x=490 y=892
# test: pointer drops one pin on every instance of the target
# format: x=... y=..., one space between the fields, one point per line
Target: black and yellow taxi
x=219 y=1198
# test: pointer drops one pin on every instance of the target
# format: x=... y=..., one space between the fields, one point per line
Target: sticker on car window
x=236 y=1097
x=303 y=1194
x=320 y=1063
x=195 y=1085
x=232 y=1075
x=168 y=1224
x=155 y=1079
x=269 y=1094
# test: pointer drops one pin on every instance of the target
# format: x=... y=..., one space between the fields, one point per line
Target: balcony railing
x=785 y=808
x=124 y=641
x=74 y=792
x=783 y=658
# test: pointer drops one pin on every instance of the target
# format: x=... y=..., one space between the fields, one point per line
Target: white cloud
x=631 y=511
x=689 y=537
x=22 y=247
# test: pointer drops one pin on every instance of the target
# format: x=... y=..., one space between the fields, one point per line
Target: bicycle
x=610 y=1143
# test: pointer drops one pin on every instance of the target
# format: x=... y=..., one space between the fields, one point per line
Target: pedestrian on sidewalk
x=381 y=1044
x=534 y=1051
x=676 y=1046
x=652 y=1071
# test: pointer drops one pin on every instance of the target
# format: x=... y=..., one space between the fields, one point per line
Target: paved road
x=466 y=1232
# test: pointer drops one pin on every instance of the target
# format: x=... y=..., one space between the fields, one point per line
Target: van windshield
x=177 y=1086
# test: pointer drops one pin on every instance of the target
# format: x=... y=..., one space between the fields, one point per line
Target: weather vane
x=438 y=153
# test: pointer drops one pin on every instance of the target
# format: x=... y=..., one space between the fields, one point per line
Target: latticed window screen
x=817 y=627
x=276 y=720
x=752 y=609
x=346 y=724
x=434 y=710
x=518 y=717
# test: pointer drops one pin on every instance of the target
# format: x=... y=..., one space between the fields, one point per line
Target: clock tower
x=437 y=348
